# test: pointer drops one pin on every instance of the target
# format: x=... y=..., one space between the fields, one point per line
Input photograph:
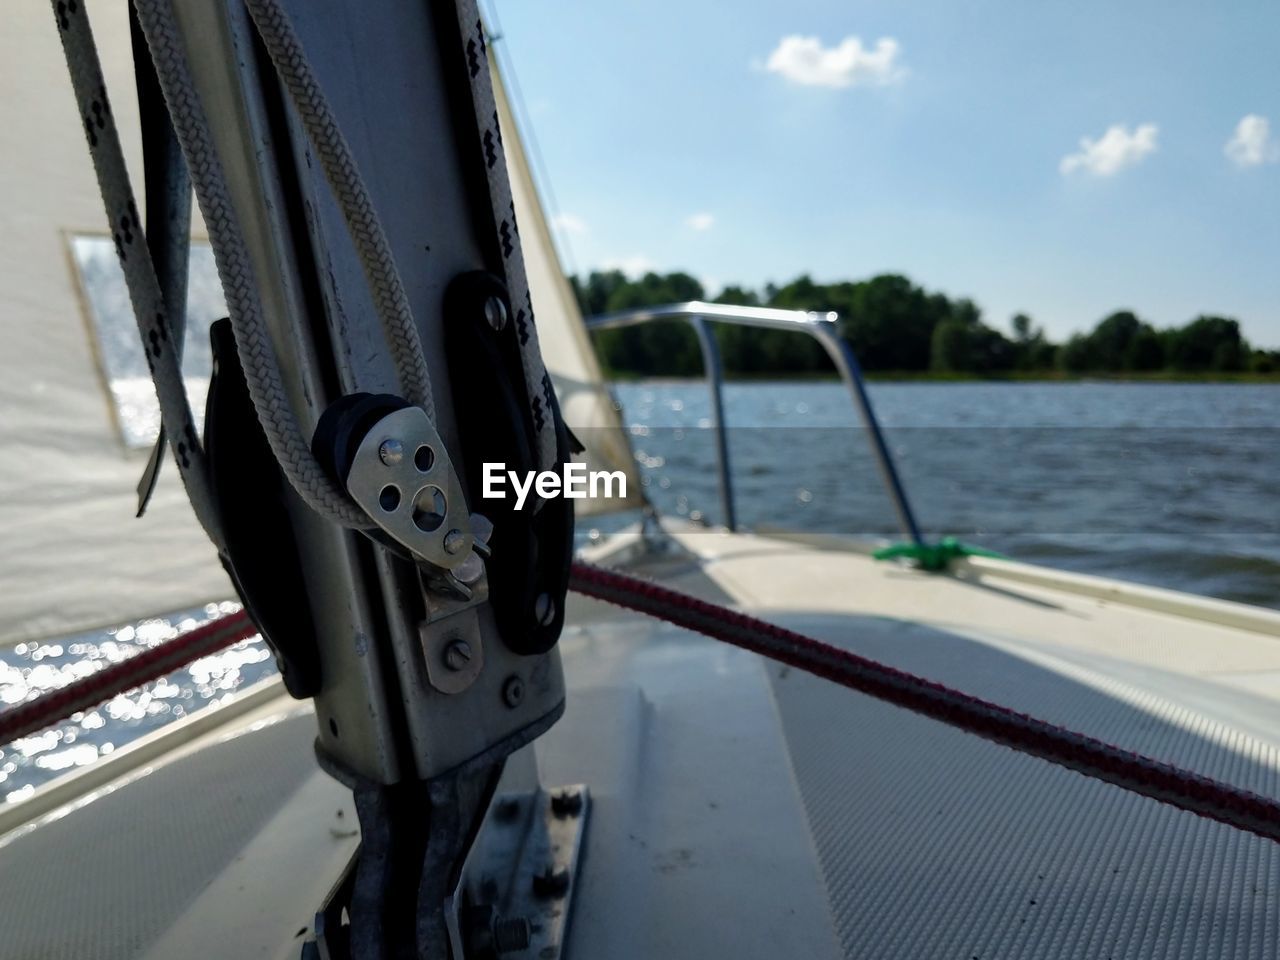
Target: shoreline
x=919 y=376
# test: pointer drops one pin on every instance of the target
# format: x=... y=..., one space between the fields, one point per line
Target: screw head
x=513 y=691
x=495 y=313
x=469 y=571
x=391 y=452
x=454 y=541
x=457 y=655
x=544 y=609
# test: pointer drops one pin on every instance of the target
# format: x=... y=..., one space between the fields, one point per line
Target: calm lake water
x=1168 y=484
x=1176 y=485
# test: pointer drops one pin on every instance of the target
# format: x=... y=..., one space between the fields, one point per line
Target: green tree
x=1111 y=338
x=1146 y=350
x=1076 y=355
x=594 y=294
x=951 y=347
x=964 y=345
x=1120 y=342
x=1264 y=361
x=739 y=297
x=653 y=349
x=890 y=322
x=1031 y=350
x=990 y=350
x=1042 y=355
x=1207 y=343
x=895 y=325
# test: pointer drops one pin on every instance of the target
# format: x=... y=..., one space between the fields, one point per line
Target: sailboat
x=432 y=775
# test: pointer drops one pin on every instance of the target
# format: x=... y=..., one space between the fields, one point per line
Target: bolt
x=566 y=803
x=510 y=934
x=481 y=527
x=469 y=571
x=513 y=691
x=457 y=655
x=495 y=312
x=391 y=452
x=487 y=933
x=454 y=541
x=544 y=610
x=551 y=882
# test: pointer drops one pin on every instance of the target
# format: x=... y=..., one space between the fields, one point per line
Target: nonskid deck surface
x=1008 y=604
x=109 y=879
x=936 y=844
x=743 y=809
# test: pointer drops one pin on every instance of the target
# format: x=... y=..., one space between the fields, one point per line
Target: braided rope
x=239 y=282
x=339 y=166
x=538 y=385
x=1094 y=758
x=1139 y=774
x=240 y=287
x=366 y=230
x=161 y=347
x=151 y=664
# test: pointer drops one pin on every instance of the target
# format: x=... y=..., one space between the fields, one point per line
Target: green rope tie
x=934 y=557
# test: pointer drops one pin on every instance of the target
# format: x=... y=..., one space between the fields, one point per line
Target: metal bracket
x=524 y=865
x=516 y=889
x=451 y=638
x=402 y=477
x=454 y=658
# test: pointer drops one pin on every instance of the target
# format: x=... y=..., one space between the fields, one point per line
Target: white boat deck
x=744 y=809
x=1032 y=610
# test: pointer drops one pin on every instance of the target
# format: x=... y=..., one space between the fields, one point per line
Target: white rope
x=239 y=282
x=340 y=170
x=163 y=350
x=253 y=342
x=344 y=179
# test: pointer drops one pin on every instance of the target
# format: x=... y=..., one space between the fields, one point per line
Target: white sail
x=585 y=401
x=72 y=554
x=76 y=408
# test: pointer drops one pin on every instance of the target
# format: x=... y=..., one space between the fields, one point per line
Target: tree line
x=896 y=326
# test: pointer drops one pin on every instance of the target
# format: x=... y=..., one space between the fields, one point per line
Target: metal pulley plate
x=401 y=476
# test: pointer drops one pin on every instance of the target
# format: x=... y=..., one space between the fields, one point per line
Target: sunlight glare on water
x=32 y=669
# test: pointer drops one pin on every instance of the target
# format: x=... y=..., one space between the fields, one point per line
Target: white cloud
x=570 y=224
x=634 y=266
x=804 y=60
x=700 y=221
x=1113 y=151
x=1252 y=145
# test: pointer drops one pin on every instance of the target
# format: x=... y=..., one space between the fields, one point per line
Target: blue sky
x=753 y=141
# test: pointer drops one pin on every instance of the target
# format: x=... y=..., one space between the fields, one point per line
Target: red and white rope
x=1152 y=778
x=151 y=664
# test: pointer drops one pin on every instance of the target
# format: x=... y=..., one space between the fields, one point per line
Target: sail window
x=118 y=347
